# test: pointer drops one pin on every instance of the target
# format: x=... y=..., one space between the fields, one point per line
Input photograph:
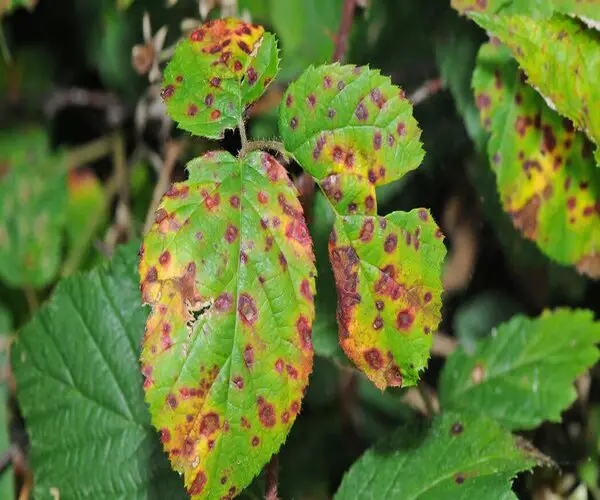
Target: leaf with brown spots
x=352 y=130
x=33 y=200
x=561 y=60
x=216 y=71
x=228 y=270
x=387 y=272
x=546 y=177
x=457 y=456
x=524 y=374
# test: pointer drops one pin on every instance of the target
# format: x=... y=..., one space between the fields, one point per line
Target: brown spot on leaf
x=373 y=358
x=305 y=332
x=266 y=412
x=456 y=429
x=478 y=374
x=247 y=309
x=249 y=356
x=405 y=319
x=231 y=233
x=198 y=484
x=361 y=111
x=366 y=231
x=390 y=243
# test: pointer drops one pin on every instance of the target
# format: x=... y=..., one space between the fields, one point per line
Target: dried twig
x=173 y=151
x=443 y=344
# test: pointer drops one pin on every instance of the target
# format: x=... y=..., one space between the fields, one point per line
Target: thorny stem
x=173 y=151
x=341 y=42
x=243 y=135
x=272 y=473
x=258 y=145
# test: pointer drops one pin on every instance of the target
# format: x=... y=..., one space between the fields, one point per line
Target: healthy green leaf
x=33 y=200
x=587 y=10
x=80 y=391
x=546 y=177
x=228 y=269
x=216 y=71
x=524 y=374
x=387 y=272
x=352 y=130
x=561 y=60
x=461 y=457
x=7 y=486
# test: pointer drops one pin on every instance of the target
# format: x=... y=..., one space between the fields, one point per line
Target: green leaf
x=561 y=60
x=7 y=479
x=228 y=270
x=7 y=6
x=387 y=271
x=588 y=10
x=216 y=72
x=80 y=390
x=352 y=130
x=33 y=200
x=459 y=457
x=524 y=374
x=546 y=177
x=307 y=31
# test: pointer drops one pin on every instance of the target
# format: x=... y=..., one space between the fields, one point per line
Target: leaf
x=7 y=486
x=307 y=30
x=352 y=130
x=587 y=10
x=561 y=60
x=228 y=270
x=387 y=271
x=459 y=457
x=216 y=71
x=33 y=194
x=80 y=391
x=524 y=374
x=546 y=178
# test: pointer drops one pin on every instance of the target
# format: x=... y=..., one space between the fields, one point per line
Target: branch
x=341 y=42
x=75 y=96
x=426 y=90
x=271 y=479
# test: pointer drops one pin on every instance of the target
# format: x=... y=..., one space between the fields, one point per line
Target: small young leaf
x=524 y=374
x=80 y=390
x=216 y=71
x=547 y=179
x=33 y=194
x=228 y=269
x=561 y=60
x=461 y=457
x=387 y=271
x=352 y=130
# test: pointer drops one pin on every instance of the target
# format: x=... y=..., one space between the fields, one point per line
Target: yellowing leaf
x=546 y=176
x=216 y=71
x=228 y=270
x=387 y=272
x=352 y=130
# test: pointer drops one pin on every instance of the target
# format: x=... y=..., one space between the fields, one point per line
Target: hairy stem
x=243 y=135
x=272 y=473
x=259 y=145
x=341 y=42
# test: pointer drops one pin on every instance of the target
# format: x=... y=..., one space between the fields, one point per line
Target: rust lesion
x=589 y=265
x=526 y=219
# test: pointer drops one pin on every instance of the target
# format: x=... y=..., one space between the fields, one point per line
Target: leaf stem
x=427 y=399
x=243 y=135
x=272 y=474
x=32 y=300
x=257 y=145
x=341 y=42
x=4 y=46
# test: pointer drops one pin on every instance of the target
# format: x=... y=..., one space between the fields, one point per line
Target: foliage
x=291 y=288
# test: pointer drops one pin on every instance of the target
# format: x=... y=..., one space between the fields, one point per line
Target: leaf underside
x=352 y=130
x=216 y=71
x=387 y=272
x=546 y=176
x=461 y=457
x=33 y=198
x=80 y=390
x=228 y=270
x=561 y=60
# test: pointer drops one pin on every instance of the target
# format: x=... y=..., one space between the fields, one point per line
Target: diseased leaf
x=80 y=391
x=524 y=374
x=228 y=269
x=33 y=200
x=461 y=457
x=352 y=130
x=216 y=71
x=587 y=10
x=561 y=60
x=387 y=272
x=546 y=177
